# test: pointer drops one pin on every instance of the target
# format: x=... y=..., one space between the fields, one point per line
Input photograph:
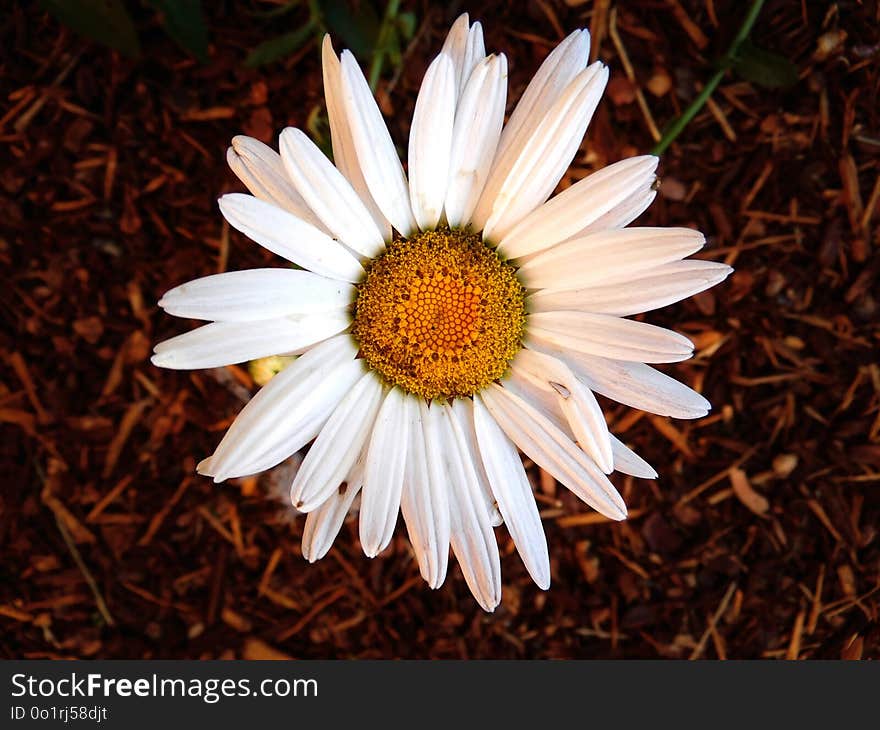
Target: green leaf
x=764 y=68
x=280 y=46
x=275 y=12
x=359 y=30
x=185 y=23
x=105 y=21
x=392 y=48
x=406 y=22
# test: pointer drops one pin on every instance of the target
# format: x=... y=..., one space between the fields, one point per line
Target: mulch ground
x=760 y=539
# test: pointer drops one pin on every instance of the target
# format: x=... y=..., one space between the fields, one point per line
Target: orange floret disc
x=439 y=314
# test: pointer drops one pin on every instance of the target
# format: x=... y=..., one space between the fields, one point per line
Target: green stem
x=697 y=104
x=382 y=42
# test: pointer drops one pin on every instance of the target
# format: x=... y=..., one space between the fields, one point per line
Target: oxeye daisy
x=447 y=317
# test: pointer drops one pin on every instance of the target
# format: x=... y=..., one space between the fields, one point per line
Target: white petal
x=472 y=537
x=290 y=435
x=323 y=525
x=545 y=157
x=624 y=213
x=474 y=53
x=605 y=336
x=456 y=45
x=286 y=235
x=329 y=194
x=378 y=159
x=647 y=290
x=576 y=207
x=338 y=446
x=629 y=462
x=557 y=71
x=456 y=39
x=424 y=502
x=430 y=142
x=637 y=385
x=344 y=153
x=608 y=257
x=288 y=411
x=255 y=294
x=260 y=168
x=587 y=421
x=513 y=492
x=383 y=476
x=463 y=411
x=478 y=121
x=539 y=398
x=576 y=401
x=224 y=343
x=553 y=451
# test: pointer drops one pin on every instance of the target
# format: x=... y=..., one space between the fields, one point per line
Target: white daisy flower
x=448 y=320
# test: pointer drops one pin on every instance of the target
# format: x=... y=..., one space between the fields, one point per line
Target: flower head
x=446 y=320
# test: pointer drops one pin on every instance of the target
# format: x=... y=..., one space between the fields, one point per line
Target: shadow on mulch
x=758 y=540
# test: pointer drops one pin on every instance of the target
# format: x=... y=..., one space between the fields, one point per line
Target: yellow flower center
x=439 y=314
